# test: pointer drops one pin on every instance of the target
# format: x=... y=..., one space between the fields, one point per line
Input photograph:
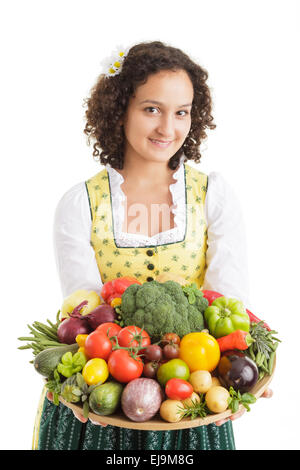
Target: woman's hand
x=79 y=416
x=267 y=394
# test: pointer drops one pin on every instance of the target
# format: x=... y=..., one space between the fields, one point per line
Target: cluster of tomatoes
x=124 y=353
x=111 y=349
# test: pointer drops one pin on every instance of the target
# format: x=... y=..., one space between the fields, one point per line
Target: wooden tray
x=158 y=424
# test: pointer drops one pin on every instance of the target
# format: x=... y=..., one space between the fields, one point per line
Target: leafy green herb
x=236 y=398
x=197 y=408
x=70 y=364
x=54 y=386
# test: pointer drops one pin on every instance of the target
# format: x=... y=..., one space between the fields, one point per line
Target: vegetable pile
x=158 y=348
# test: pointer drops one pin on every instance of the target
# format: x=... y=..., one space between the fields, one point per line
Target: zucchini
x=47 y=360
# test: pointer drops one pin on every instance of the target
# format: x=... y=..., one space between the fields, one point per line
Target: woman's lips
x=160 y=144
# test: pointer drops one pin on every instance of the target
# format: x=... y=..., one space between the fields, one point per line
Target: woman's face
x=158 y=117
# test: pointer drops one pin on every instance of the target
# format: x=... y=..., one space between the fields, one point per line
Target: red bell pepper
x=115 y=288
x=211 y=295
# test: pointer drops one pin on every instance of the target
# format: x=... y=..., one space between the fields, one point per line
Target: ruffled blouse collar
x=118 y=198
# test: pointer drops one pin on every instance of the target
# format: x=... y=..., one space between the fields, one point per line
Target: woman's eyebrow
x=158 y=102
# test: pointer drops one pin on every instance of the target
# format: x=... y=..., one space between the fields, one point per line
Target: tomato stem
x=133 y=350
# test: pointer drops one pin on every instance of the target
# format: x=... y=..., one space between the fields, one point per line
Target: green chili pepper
x=226 y=315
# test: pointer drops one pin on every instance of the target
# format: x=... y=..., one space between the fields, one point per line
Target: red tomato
x=109 y=329
x=98 y=345
x=178 y=389
x=170 y=338
x=129 y=335
x=123 y=367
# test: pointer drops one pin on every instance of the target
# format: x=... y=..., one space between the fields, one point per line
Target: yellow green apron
x=57 y=428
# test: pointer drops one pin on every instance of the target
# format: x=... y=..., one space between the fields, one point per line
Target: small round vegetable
x=131 y=336
x=171 y=351
x=217 y=399
x=141 y=399
x=153 y=352
x=169 y=410
x=95 y=371
x=191 y=400
x=97 y=344
x=80 y=340
x=150 y=369
x=201 y=380
x=123 y=367
x=175 y=368
x=170 y=338
x=178 y=389
x=215 y=381
x=110 y=329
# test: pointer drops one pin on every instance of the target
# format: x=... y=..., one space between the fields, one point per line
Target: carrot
x=237 y=340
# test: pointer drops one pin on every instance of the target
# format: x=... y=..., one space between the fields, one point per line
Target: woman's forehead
x=165 y=86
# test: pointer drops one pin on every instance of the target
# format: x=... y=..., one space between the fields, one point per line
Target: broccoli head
x=162 y=308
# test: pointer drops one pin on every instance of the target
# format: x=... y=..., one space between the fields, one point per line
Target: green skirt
x=58 y=429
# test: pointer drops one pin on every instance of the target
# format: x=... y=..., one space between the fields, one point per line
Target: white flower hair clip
x=113 y=65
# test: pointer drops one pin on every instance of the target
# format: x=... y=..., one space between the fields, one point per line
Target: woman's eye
x=151 y=108
x=186 y=112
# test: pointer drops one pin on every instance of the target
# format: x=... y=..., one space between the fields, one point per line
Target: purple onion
x=102 y=314
x=75 y=325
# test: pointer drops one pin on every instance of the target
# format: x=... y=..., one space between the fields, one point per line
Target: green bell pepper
x=225 y=315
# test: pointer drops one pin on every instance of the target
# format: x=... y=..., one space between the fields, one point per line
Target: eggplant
x=238 y=371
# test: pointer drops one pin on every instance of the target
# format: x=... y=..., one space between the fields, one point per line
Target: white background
x=51 y=57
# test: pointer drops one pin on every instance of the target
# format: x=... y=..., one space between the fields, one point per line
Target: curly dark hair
x=109 y=98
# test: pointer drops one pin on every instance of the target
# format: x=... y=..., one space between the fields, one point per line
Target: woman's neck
x=146 y=174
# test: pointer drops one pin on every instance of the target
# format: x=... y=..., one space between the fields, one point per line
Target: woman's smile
x=161 y=143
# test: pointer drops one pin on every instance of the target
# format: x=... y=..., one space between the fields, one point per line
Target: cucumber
x=47 y=360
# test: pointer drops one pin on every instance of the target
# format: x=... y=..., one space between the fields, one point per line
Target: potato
x=200 y=380
x=169 y=410
x=215 y=381
x=217 y=399
x=188 y=401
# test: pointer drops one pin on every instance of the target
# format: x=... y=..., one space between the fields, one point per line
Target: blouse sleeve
x=227 y=263
x=74 y=255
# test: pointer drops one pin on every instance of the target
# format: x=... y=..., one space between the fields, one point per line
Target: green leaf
x=55 y=399
x=234 y=406
x=86 y=409
x=248 y=398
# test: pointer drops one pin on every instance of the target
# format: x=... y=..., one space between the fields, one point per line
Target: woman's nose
x=166 y=126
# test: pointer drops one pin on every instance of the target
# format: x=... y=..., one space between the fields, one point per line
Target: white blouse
x=227 y=270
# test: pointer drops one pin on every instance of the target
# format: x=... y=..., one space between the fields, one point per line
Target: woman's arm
x=227 y=264
x=74 y=255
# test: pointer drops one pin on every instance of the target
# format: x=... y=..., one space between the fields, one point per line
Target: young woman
x=147 y=212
